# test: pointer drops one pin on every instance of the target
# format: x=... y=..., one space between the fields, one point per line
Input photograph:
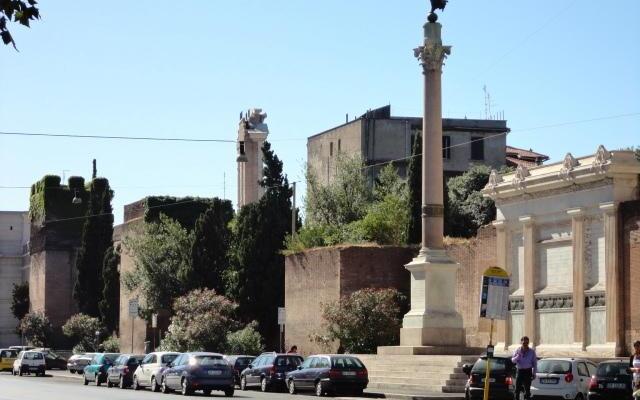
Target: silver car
x=148 y=372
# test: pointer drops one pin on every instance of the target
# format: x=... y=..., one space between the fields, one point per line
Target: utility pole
x=293 y=212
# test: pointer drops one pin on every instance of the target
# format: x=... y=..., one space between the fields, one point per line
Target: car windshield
x=554 y=367
x=167 y=358
x=242 y=362
x=346 y=362
x=497 y=365
x=210 y=361
x=613 y=369
x=8 y=353
x=288 y=360
x=33 y=356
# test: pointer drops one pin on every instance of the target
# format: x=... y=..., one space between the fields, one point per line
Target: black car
x=121 y=372
x=198 y=371
x=501 y=379
x=52 y=360
x=238 y=363
x=612 y=381
x=269 y=370
x=329 y=374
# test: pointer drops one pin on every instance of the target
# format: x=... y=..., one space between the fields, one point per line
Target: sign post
x=133 y=313
x=282 y=318
x=494 y=304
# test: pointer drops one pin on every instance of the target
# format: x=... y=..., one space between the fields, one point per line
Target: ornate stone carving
x=553 y=192
x=603 y=156
x=494 y=180
x=433 y=210
x=516 y=304
x=432 y=55
x=595 y=300
x=568 y=165
x=521 y=174
x=551 y=302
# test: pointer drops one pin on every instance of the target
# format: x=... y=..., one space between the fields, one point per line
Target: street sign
x=154 y=320
x=494 y=296
x=282 y=316
x=133 y=307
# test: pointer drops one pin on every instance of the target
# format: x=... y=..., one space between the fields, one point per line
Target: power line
x=158 y=139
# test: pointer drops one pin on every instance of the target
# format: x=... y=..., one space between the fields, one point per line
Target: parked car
x=121 y=372
x=96 y=370
x=501 y=378
x=269 y=370
x=149 y=371
x=52 y=360
x=77 y=362
x=329 y=374
x=238 y=363
x=7 y=357
x=612 y=381
x=28 y=362
x=198 y=371
x=566 y=378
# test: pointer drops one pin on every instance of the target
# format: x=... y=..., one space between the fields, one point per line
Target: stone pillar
x=613 y=292
x=433 y=319
x=529 y=236
x=578 y=244
x=502 y=242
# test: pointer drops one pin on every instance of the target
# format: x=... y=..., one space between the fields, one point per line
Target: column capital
x=609 y=207
x=500 y=224
x=576 y=212
x=527 y=220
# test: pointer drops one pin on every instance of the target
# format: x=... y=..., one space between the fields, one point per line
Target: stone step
x=416 y=370
x=414 y=388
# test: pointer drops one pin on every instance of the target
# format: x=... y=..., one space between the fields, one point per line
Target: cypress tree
x=110 y=303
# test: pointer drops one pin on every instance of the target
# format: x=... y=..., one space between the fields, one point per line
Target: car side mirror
x=466 y=368
x=250 y=366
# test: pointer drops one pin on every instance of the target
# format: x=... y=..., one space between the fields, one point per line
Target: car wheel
x=263 y=385
x=229 y=392
x=135 y=384
x=186 y=390
x=20 y=371
x=319 y=391
x=579 y=396
x=109 y=384
x=165 y=389
x=243 y=383
x=207 y=392
x=86 y=382
x=98 y=380
x=154 y=384
x=121 y=384
x=466 y=395
x=292 y=387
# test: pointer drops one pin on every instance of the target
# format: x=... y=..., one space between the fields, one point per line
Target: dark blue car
x=328 y=373
x=198 y=371
x=269 y=371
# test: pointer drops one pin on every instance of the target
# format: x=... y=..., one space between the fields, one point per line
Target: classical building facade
x=559 y=234
x=252 y=133
x=379 y=138
x=14 y=265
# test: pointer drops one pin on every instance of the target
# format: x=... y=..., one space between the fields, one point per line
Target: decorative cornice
x=516 y=304
x=595 y=300
x=569 y=163
x=602 y=158
x=522 y=173
x=494 y=179
x=553 y=192
x=548 y=302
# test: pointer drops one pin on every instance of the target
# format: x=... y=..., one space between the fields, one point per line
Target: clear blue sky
x=187 y=68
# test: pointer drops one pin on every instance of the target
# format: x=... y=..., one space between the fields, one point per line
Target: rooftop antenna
x=487 y=103
x=64 y=175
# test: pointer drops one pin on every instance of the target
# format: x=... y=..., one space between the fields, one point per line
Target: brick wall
x=629 y=214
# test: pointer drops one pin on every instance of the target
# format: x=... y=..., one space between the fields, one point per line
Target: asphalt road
x=61 y=387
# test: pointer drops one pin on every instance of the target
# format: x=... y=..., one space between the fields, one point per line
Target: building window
x=477 y=148
x=331 y=149
x=339 y=146
x=446 y=151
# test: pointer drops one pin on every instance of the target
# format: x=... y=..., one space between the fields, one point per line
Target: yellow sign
x=496 y=272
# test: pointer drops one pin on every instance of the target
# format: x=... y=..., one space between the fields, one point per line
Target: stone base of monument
x=429 y=351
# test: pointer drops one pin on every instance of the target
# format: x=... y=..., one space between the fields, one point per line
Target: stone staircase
x=417 y=373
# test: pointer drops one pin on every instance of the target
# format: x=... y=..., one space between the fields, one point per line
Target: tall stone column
x=614 y=331
x=502 y=243
x=579 y=310
x=433 y=319
x=529 y=236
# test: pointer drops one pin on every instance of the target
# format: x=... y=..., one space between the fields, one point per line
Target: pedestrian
x=293 y=350
x=634 y=366
x=526 y=362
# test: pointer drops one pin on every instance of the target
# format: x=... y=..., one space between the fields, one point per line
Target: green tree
x=256 y=277
x=36 y=329
x=162 y=254
x=22 y=12
x=210 y=251
x=81 y=329
x=245 y=341
x=97 y=237
x=111 y=344
x=201 y=321
x=110 y=303
x=20 y=300
x=467 y=210
x=414 y=183
x=364 y=320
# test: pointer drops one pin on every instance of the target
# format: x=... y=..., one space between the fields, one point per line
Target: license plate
x=547 y=381
x=616 y=386
x=349 y=373
x=215 y=372
x=491 y=380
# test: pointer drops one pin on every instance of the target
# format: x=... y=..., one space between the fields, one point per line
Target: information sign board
x=494 y=296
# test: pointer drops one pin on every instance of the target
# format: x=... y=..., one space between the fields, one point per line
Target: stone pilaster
x=502 y=241
x=530 y=281
x=613 y=292
x=578 y=244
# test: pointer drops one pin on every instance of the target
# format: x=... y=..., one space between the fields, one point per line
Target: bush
x=36 y=328
x=364 y=320
x=201 y=322
x=245 y=341
x=82 y=328
x=111 y=345
x=76 y=182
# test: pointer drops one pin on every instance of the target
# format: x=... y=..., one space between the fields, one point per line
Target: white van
x=29 y=362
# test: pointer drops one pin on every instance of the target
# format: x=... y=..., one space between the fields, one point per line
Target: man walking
x=526 y=361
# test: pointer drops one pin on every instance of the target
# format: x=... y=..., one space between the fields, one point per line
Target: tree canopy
x=22 y=12
x=20 y=300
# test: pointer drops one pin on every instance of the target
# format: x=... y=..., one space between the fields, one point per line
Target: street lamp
x=97 y=333
x=76 y=200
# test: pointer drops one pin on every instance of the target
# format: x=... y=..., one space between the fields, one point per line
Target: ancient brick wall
x=629 y=241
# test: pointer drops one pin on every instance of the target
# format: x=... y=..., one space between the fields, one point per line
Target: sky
x=566 y=75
